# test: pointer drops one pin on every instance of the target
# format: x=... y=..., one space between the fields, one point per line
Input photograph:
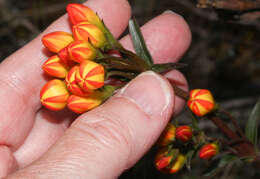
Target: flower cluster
x=174 y=145
x=79 y=80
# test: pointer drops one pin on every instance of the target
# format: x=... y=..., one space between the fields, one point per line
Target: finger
x=48 y=128
x=175 y=76
x=21 y=76
x=167 y=38
x=119 y=132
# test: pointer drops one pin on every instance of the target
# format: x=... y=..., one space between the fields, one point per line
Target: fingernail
x=171 y=12
x=150 y=92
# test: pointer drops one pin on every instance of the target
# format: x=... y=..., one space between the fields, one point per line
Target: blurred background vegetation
x=224 y=57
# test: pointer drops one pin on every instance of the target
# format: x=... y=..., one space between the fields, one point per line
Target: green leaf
x=218 y=164
x=139 y=43
x=189 y=157
x=252 y=124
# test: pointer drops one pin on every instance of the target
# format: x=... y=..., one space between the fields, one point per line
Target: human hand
x=105 y=141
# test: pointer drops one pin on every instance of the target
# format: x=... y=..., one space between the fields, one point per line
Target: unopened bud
x=201 y=102
x=80 y=104
x=89 y=32
x=55 y=41
x=184 y=133
x=72 y=85
x=54 y=67
x=208 y=151
x=65 y=57
x=168 y=135
x=80 y=51
x=90 y=76
x=79 y=13
x=54 y=95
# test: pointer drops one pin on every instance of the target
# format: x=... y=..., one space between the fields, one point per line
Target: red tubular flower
x=54 y=95
x=89 y=32
x=163 y=159
x=201 y=102
x=208 y=151
x=184 y=133
x=83 y=104
x=65 y=57
x=90 y=76
x=79 y=13
x=168 y=135
x=55 y=41
x=72 y=85
x=80 y=51
x=54 y=67
x=167 y=162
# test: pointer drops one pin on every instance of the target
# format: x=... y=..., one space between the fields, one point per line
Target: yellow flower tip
x=184 y=133
x=55 y=41
x=208 y=151
x=178 y=163
x=79 y=13
x=80 y=104
x=54 y=67
x=168 y=135
x=65 y=57
x=90 y=76
x=89 y=32
x=80 y=51
x=54 y=95
x=201 y=102
x=72 y=85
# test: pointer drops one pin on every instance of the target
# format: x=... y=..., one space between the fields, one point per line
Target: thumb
x=111 y=138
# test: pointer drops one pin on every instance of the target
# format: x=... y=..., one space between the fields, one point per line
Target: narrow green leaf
x=189 y=157
x=165 y=67
x=252 y=124
x=218 y=164
x=139 y=43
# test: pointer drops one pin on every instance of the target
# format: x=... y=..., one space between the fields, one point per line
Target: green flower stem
x=127 y=75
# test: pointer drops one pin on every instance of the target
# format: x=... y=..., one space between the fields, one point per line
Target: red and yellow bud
x=55 y=41
x=201 y=102
x=80 y=51
x=90 y=76
x=54 y=95
x=54 y=67
x=168 y=135
x=79 y=13
x=83 y=104
x=184 y=133
x=65 y=57
x=72 y=85
x=163 y=159
x=208 y=151
x=89 y=32
x=178 y=163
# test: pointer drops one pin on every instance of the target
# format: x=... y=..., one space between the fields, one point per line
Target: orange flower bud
x=208 y=151
x=54 y=95
x=72 y=85
x=168 y=135
x=65 y=57
x=83 y=104
x=54 y=67
x=163 y=159
x=184 y=133
x=55 y=41
x=201 y=102
x=178 y=163
x=79 y=13
x=90 y=76
x=80 y=51
x=89 y=32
